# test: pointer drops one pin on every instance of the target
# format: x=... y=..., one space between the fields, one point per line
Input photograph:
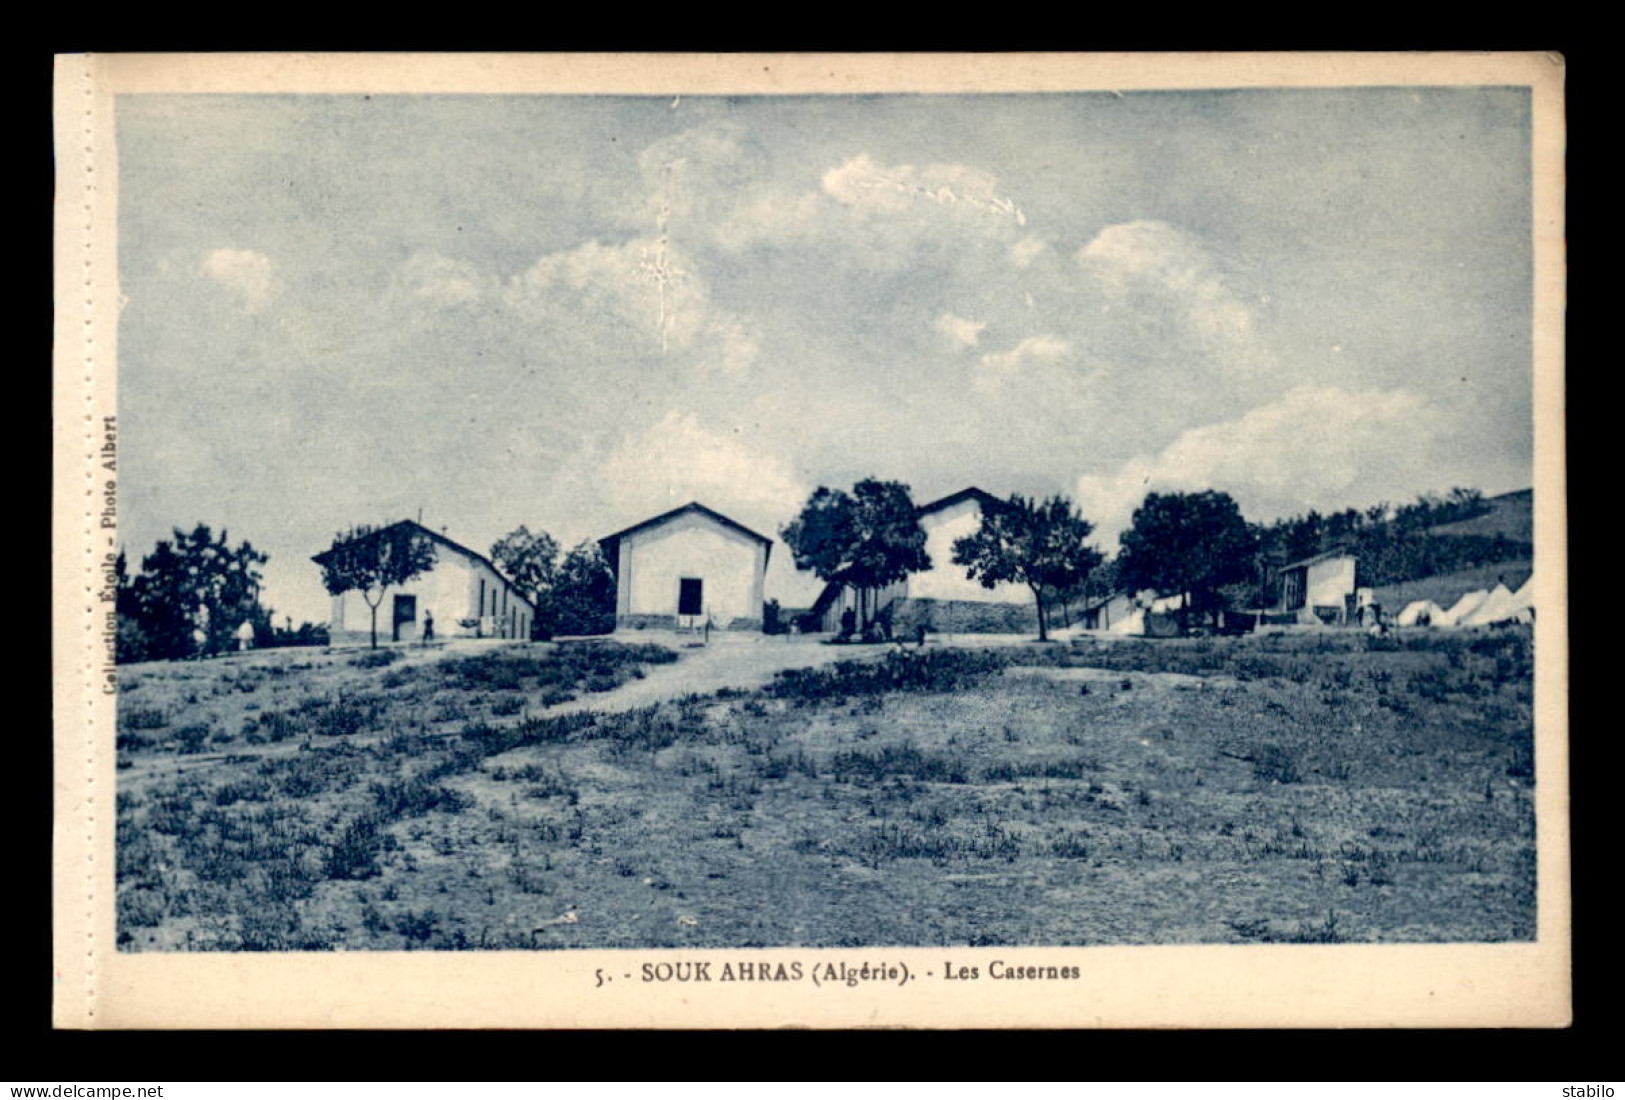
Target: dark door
x=690 y=596
x=406 y=613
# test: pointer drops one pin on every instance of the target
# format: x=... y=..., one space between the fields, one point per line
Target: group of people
x=880 y=630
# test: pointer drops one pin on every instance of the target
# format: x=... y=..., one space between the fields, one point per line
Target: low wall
x=645 y=622
x=962 y=617
x=669 y=622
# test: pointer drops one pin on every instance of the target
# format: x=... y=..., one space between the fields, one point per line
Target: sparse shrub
x=1522 y=765
x=346 y=716
x=894 y=760
x=1272 y=763
x=1070 y=846
x=143 y=718
x=900 y=670
x=507 y=705
x=190 y=739
x=141 y=907
x=354 y=855
x=1077 y=767
x=256 y=789
x=398 y=799
x=1324 y=932
x=376 y=658
x=277 y=725
x=417 y=927
x=553 y=696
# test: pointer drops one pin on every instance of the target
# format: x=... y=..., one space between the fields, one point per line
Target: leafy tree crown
x=367 y=559
x=868 y=538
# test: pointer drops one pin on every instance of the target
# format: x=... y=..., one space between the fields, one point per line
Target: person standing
x=428 y=626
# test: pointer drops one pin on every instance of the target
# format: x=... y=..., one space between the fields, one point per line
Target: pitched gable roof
x=985 y=499
x=610 y=542
x=437 y=537
x=1316 y=559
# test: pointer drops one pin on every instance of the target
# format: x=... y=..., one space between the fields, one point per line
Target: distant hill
x=1511 y=515
x=1447 y=588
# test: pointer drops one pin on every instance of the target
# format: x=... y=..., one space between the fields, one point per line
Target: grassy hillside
x=1511 y=515
x=1447 y=589
x=1275 y=789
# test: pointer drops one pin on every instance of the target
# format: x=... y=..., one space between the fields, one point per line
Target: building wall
x=451 y=591
x=962 y=617
x=945 y=583
x=1329 y=582
x=945 y=580
x=1110 y=613
x=652 y=562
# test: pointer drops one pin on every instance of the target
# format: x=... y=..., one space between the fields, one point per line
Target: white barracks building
x=943 y=598
x=463 y=593
x=686 y=568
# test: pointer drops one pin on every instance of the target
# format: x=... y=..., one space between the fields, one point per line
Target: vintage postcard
x=940 y=541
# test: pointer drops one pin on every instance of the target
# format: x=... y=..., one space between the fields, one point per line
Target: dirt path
x=747 y=661
x=1105 y=675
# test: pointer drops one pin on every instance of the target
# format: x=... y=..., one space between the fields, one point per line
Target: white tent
x=1129 y=624
x=1420 y=613
x=1499 y=606
x=1524 y=601
x=1462 y=608
x=1166 y=604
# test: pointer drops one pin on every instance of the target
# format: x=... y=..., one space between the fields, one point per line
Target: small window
x=690 y=596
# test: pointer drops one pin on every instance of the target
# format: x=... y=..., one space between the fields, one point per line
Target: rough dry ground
x=1298 y=789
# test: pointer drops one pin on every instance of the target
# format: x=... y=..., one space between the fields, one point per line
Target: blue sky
x=573 y=312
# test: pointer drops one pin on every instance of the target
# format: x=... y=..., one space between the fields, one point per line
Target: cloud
x=1152 y=267
x=1026 y=250
x=428 y=278
x=680 y=459
x=1315 y=447
x=243 y=272
x=1017 y=364
x=867 y=214
x=647 y=285
x=692 y=179
x=961 y=332
x=862 y=182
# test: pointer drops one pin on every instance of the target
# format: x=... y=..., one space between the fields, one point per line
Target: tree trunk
x=373 y=607
x=1038 y=601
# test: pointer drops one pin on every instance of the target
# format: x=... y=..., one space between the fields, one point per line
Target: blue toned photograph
x=1036 y=519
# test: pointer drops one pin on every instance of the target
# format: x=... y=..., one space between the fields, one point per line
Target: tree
x=191 y=582
x=865 y=539
x=372 y=560
x=1193 y=543
x=1039 y=544
x=583 y=595
x=131 y=641
x=531 y=562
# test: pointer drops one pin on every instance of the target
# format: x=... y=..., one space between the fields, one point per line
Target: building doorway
x=406 y=615
x=690 y=596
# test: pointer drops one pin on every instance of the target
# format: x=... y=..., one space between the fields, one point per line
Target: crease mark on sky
x=658 y=269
